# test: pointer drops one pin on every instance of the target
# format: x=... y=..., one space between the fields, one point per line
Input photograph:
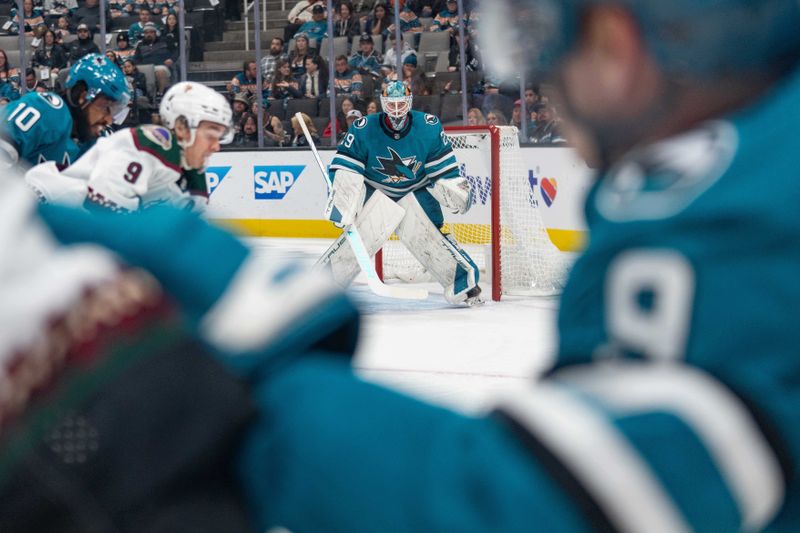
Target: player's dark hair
x=79 y=123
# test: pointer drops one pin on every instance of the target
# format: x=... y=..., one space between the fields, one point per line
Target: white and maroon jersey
x=132 y=169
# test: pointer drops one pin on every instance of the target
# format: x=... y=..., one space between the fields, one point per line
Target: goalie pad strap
x=375 y=222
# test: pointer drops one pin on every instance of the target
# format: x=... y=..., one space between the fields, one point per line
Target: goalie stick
x=357 y=244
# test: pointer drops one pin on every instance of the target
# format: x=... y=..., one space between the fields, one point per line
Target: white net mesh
x=529 y=262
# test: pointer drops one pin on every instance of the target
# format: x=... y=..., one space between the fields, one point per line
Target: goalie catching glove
x=346 y=198
x=454 y=194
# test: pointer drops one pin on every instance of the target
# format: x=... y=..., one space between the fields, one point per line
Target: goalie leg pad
x=346 y=197
x=440 y=254
x=376 y=222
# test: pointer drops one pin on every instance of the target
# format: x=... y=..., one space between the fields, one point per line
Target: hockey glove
x=454 y=194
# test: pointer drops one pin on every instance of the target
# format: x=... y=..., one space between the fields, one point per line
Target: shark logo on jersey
x=360 y=123
x=430 y=119
x=397 y=169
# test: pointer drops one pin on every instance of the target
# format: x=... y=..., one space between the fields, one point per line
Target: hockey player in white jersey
x=394 y=172
x=139 y=167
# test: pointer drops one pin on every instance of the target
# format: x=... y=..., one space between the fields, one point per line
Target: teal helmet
x=688 y=38
x=102 y=77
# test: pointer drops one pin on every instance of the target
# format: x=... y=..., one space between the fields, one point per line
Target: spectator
x=352 y=116
x=298 y=139
x=299 y=15
x=345 y=23
x=9 y=79
x=136 y=30
x=346 y=107
x=153 y=51
x=314 y=83
x=171 y=34
x=62 y=30
x=389 y=59
x=88 y=14
x=248 y=131
x=475 y=117
x=409 y=21
x=470 y=53
x=245 y=81
x=447 y=19
x=240 y=106
x=119 y=8
x=56 y=8
x=83 y=44
x=373 y=107
x=366 y=61
x=425 y=8
x=516 y=114
x=275 y=54
x=495 y=117
x=112 y=57
x=32 y=82
x=531 y=98
x=275 y=132
x=378 y=22
x=50 y=54
x=124 y=50
x=412 y=76
x=548 y=130
x=297 y=58
x=346 y=80
x=317 y=28
x=283 y=84
x=31 y=19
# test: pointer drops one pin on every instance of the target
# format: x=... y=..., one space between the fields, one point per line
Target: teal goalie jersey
x=39 y=126
x=397 y=162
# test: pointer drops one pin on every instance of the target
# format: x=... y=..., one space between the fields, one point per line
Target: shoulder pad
x=159 y=142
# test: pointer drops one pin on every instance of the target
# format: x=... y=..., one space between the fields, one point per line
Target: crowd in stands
x=292 y=67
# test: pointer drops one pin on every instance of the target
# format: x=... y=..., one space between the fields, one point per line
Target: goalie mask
x=196 y=103
x=396 y=101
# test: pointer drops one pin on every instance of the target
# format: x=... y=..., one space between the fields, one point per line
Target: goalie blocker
x=439 y=253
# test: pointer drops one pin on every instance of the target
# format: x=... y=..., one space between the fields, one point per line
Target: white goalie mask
x=196 y=103
x=396 y=100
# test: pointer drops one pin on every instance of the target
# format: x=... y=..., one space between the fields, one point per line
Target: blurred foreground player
x=673 y=406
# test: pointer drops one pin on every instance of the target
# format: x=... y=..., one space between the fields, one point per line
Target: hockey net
x=503 y=232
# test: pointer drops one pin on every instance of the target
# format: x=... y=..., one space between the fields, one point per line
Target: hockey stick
x=357 y=244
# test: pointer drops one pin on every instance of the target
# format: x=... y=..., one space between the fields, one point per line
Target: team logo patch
x=360 y=123
x=398 y=169
x=274 y=182
x=430 y=119
x=214 y=176
x=158 y=135
x=549 y=189
x=53 y=100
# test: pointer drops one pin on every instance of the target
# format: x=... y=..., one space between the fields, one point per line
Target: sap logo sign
x=214 y=176
x=272 y=183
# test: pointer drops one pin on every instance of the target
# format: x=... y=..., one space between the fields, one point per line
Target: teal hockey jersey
x=397 y=162
x=39 y=126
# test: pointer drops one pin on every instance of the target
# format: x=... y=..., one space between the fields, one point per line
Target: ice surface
x=455 y=356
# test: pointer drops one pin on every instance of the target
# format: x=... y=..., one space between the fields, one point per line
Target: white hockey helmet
x=396 y=100
x=196 y=103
